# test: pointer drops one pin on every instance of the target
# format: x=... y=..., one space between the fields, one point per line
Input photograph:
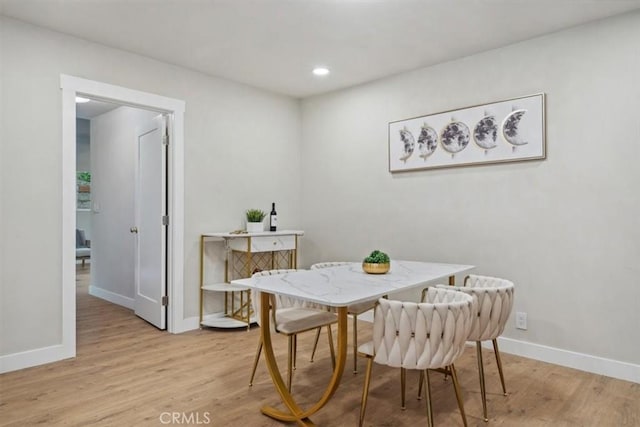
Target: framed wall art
x=503 y=131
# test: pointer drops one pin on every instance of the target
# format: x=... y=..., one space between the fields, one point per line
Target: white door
x=150 y=228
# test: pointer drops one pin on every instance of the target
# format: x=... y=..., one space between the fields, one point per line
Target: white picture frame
x=503 y=131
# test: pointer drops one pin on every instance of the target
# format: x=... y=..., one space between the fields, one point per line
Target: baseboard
x=189 y=324
x=180 y=326
x=112 y=297
x=570 y=359
x=29 y=358
x=583 y=362
x=557 y=356
x=55 y=353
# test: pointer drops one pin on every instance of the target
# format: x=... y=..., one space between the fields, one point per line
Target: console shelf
x=245 y=253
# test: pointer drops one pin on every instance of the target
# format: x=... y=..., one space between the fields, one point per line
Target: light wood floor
x=127 y=373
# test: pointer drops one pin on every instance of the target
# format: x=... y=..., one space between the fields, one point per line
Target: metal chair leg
x=483 y=390
x=355 y=343
x=403 y=386
x=333 y=353
x=499 y=362
x=290 y=363
x=420 y=385
x=427 y=393
x=255 y=362
x=456 y=388
x=295 y=350
x=365 y=389
x=315 y=344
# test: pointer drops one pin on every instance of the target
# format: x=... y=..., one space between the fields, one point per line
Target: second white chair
x=420 y=336
x=494 y=299
x=291 y=317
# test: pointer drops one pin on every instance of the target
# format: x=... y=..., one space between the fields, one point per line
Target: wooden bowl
x=372 y=268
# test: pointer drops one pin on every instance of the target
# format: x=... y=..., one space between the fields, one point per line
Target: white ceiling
x=89 y=110
x=274 y=44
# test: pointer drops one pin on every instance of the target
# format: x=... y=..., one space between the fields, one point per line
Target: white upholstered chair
x=290 y=317
x=353 y=310
x=494 y=302
x=420 y=336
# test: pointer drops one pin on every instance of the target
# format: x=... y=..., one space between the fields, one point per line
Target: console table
x=245 y=253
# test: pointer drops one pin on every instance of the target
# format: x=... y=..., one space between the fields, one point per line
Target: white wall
x=114 y=157
x=241 y=150
x=566 y=230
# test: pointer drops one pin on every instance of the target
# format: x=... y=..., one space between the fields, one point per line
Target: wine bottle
x=273 y=218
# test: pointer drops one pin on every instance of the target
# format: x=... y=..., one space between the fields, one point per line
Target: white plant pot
x=255 y=227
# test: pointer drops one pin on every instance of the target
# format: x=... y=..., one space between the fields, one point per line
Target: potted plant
x=376 y=263
x=254 y=220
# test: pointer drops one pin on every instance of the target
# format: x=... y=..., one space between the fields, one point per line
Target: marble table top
x=347 y=284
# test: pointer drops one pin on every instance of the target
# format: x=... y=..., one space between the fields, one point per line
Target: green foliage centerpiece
x=376 y=263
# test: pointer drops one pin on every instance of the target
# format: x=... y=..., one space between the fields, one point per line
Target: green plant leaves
x=377 y=257
x=255 y=215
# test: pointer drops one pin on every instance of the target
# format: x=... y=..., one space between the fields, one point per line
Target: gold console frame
x=239 y=264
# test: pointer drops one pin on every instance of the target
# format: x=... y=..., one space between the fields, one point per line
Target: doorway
x=121 y=200
x=174 y=110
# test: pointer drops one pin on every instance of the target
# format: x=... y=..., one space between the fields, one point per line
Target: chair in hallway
x=83 y=246
x=420 y=336
x=290 y=317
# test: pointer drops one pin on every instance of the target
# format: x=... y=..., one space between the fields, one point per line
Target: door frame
x=174 y=108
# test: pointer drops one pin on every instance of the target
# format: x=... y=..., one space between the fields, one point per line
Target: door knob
x=133 y=229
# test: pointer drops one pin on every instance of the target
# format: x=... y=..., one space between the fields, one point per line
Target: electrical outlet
x=521 y=320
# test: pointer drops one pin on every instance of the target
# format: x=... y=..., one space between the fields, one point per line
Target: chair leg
x=355 y=343
x=365 y=389
x=420 y=385
x=255 y=361
x=315 y=344
x=499 y=362
x=483 y=390
x=295 y=350
x=403 y=386
x=456 y=388
x=427 y=393
x=290 y=362
x=333 y=353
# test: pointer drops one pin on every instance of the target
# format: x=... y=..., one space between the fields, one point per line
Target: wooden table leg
x=296 y=413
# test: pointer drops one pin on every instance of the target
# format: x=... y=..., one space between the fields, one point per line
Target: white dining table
x=338 y=287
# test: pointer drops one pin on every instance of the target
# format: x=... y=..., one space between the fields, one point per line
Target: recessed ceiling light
x=321 y=71
x=81 y=100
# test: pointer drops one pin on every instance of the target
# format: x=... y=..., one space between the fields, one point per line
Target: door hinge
x=165 y=220
x=165 y=301
x=165 y=139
